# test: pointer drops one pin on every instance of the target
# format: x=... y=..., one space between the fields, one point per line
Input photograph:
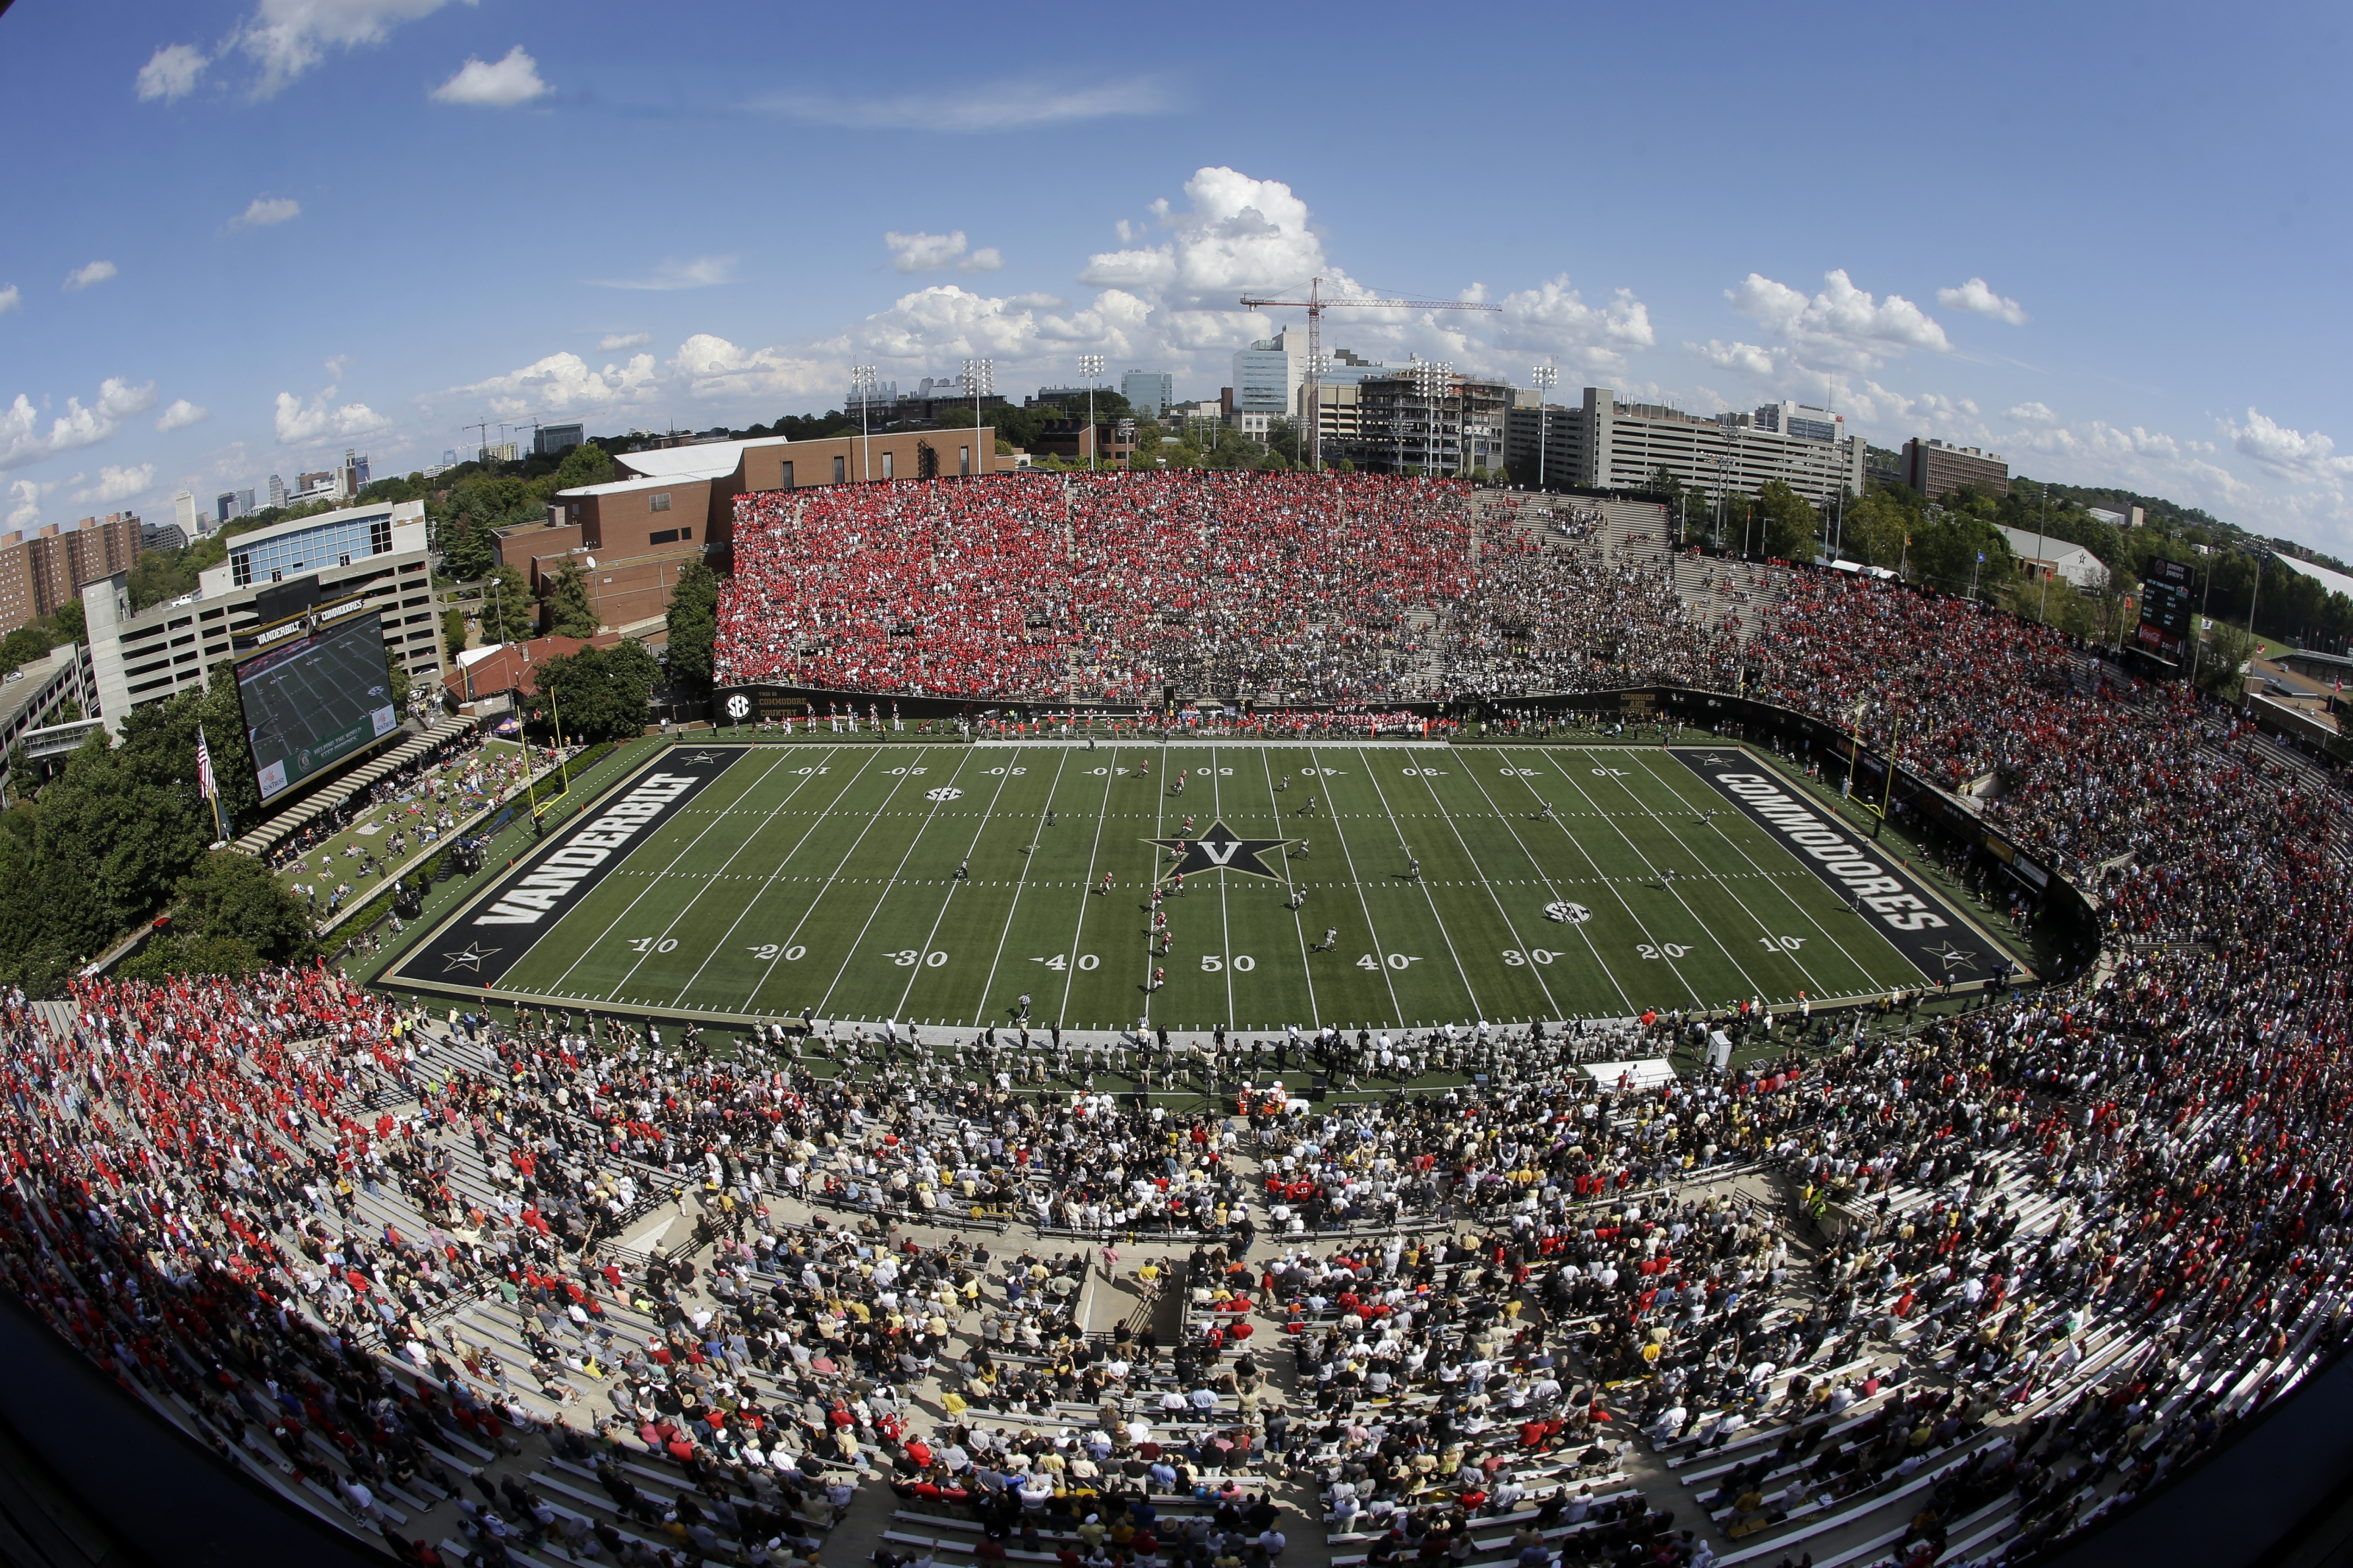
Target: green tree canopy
x=569 y=611
x=694 y=620
x=1791 y=522
x=599 y=694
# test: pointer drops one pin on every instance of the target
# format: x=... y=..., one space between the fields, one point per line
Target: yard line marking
x=1225 y=916
x=1591 y=946
x=1509 y=924
x=1004 y=775
x=1037 y=831
x=1079 y=932
x=1444 y=935
x=1725 y=948
x=656 y=882
x=860 y=940
x=1315 y=1014
x=1379 y=952
x=1670 y=781
x=818 y=903
x=778 y=874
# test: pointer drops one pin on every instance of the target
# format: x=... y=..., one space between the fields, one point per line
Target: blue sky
x=2107 y=242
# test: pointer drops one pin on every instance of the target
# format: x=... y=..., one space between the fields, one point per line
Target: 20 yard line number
x=769 y=951
x=1660 y=950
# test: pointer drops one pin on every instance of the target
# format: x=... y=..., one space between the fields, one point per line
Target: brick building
x=46 y=569
x=1937 y=470
x=675 y=506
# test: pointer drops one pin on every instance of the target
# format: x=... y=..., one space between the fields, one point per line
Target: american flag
x=204 y=785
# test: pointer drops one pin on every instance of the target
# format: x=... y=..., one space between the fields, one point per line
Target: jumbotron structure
x=2005 y=1284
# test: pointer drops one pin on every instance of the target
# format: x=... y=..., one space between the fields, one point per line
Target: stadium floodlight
x=861 y=387
x=980 y=378
x=1545 y=378
x=1091 y=366
x=1431 y=379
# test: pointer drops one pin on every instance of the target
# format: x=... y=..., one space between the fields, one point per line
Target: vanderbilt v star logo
x=1220 y=849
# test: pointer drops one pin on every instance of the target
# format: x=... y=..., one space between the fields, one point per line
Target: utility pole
x=1091 y=366
x=1545 y=378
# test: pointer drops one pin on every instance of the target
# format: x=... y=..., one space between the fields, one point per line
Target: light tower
x=980 y=378
x=861 y=387
x=1091 y=366
x=1545 y=378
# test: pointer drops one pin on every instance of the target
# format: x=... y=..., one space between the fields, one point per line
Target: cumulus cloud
x=995 y=106
x=23 y=440
x=11 y=299
x=180 y=416
x=1976 y=297
x=301 y=423
x=1553 y=318
x=1239 y=233
x=612 y=340
x=711 y=367
x=1747 y=358
x=1841 y=325
x=287 y=37
x=2288 y=451
x=266 y=212
x=170 y=73
x=701 y=272
x=565 y=383
x=921 y=252
x=26 y=495
x=82 y=277
x=494 y=84
x=117 y=484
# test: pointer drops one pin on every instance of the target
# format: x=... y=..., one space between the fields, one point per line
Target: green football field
x=826 y=879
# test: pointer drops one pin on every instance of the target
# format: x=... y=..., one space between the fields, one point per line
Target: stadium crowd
x=2035 y=1259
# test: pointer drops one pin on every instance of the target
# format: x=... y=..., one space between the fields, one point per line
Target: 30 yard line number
x=908 y=957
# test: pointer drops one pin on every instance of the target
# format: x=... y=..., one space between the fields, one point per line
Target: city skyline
x=266 y=247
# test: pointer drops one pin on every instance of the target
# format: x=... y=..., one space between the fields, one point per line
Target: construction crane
x=1315 y=305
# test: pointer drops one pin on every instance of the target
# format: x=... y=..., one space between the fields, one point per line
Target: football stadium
x=1217 y=1018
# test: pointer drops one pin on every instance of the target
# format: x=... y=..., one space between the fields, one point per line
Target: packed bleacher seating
x=1897 y=1290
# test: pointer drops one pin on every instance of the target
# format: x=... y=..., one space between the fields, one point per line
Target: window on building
x=840 y=469
x=889 y=464
x=686 y=533
x=660 y=502
x=786 y=482
x=963 y=461
x=662 y=536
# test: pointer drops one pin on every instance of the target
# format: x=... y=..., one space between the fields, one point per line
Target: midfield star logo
x=1220 y=849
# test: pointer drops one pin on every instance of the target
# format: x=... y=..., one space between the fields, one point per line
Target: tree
x=508 y=615
x=599 y=694
x=2227 y=648
x=1791 y=522
x=586 y=465
x=569 y=611
x=229 y=914
x=467 y=550
x=71 y=626
x=693 y=621
x=453 y=631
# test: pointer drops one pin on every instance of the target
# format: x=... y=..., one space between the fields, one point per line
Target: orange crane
x=1316 y=304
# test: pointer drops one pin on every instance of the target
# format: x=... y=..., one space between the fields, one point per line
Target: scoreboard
x=2167 y=590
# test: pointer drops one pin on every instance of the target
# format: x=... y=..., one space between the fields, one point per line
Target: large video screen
x=2164 y=628
x=313 y=697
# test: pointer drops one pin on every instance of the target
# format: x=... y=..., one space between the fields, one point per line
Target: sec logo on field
x=739 y=706
x=1567 y=913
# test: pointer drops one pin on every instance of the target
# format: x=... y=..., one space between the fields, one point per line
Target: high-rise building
x=276 y=490
x=352 y=477
x=504 y=452
x=1269 y=373
x=224 y=505
x=1455 y=427
x=1607 y=445
x=183 y=513
x=1937 y=470
x=549 y=439
x=40 y=573
x=1149 y=392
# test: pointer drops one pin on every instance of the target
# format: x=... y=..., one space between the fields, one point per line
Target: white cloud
x=2283 y=450
x=29 y=494
x=299 y=423
x=612 y=340
x=23 y=441
x=336 y=364
x=1842 y=325
x=1553 y=318
x=266 y=212
x=711 y=367
x=2033 y=413
x=287 y=37
x=1239 y=233
x=1747 y=358
x=702 y=273
x=499 y=84
x=82 y=277
x=1976 y=296
x=180 y=416
x=11 y=299
x=565 y=383
x=921 y=252
x=997 y=106
x=170 y=73
x=117 y=485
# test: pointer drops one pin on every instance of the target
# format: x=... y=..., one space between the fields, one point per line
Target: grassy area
x=826 y=878
x=359 y=853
